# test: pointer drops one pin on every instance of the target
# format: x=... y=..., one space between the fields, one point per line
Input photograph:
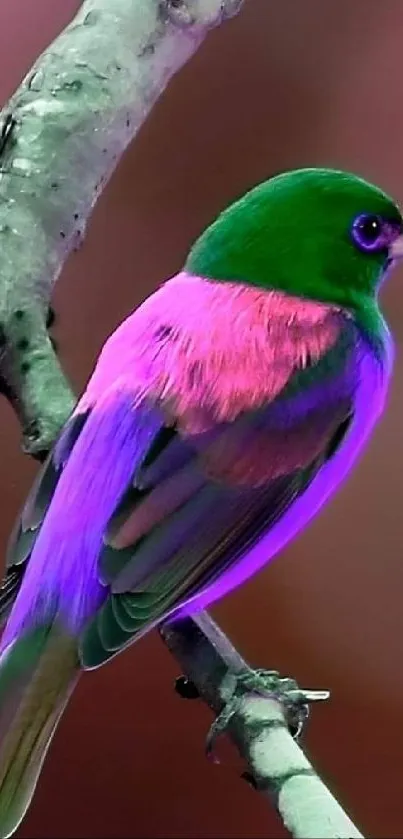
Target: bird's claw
x=269 y=684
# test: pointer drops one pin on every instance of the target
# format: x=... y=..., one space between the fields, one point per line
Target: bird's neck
x=372 y=324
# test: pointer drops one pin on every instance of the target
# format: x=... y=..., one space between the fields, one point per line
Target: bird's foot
x=268 y=684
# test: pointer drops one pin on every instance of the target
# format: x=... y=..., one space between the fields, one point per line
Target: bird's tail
x=38 y=673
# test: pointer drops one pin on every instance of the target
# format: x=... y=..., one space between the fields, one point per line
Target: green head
x=316 y=233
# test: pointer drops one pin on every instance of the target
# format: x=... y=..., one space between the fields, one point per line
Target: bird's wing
x=197 y=503
x=28 y=524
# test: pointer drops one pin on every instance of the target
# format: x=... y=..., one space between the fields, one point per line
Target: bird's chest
x=236 y=362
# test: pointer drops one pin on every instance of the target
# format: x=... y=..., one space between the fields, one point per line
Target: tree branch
x=61 y=137
x=259 y=729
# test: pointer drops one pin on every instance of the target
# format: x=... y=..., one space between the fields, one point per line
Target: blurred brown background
x=284 y=85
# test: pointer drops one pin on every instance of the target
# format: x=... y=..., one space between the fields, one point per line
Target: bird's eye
x=370 y=232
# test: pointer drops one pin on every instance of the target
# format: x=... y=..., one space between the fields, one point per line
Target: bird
x=220 y=417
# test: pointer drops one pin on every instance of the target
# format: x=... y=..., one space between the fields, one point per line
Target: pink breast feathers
x=209 y=350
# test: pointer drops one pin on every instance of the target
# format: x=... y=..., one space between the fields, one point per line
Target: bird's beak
x=396 y=248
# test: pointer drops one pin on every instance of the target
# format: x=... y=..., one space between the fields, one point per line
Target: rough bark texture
x=63 y=133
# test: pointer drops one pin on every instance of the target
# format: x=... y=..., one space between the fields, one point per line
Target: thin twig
x=279 y=768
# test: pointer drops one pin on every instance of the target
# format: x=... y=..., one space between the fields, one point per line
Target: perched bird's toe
x=266 y=683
